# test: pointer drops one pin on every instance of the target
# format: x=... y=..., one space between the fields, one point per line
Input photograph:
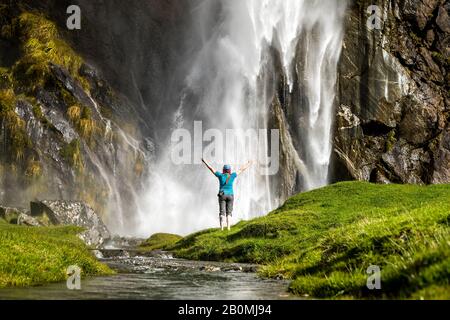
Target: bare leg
x=228 y=223
x=221 y=223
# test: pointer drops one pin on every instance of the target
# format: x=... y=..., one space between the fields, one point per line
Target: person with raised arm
x=226 y=191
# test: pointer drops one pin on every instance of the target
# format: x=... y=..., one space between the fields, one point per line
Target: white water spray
x=225 y=84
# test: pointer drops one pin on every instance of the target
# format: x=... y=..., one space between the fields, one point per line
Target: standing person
x=226 y=192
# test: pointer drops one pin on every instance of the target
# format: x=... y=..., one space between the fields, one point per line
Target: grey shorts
x=226 y=205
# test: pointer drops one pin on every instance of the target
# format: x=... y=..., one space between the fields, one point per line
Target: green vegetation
x=34 y=169
x=34 y=256
x=391 y=140
x=83 y=122
x=38 y=45
x=159 y=241
x=42 y=45
x=72 y=154
x=325 y=240
x=14 y=124
x=7 y=101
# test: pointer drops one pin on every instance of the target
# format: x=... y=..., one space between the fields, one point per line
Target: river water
x=148 y=278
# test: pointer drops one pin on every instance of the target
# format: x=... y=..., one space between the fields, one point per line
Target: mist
x=228 y=87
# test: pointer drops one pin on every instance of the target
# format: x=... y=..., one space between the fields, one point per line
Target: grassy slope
x=159 y=241
x=33 y=256
x=326 y=239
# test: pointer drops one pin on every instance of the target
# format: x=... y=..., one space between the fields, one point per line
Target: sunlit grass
x=159 y=241
x=42 y=45
x=33 y=256
x=326 y=239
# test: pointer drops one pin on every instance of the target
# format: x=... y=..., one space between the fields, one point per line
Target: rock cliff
x=65 y=133
x=393 y=108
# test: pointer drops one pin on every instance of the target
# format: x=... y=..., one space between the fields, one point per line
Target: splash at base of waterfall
x=230 y=86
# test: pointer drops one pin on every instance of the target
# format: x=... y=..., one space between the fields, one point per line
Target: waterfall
x=225 y=89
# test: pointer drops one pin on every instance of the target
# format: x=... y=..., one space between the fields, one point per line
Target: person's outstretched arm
x=245 y=167
x=209 y=167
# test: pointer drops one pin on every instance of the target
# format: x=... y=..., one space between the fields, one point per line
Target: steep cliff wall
x=393 y=94
x=64 y=132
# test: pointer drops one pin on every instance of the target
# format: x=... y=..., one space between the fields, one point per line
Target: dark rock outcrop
x=393 y=94
x=73 y=213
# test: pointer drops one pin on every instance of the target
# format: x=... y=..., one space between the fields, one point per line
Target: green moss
x=7 y=100
x=16 y=134
x=33 y=170
x=37 y=111
x=42 y=45
x=82 y=119
x=391 y=140
x=159 y=241
x=325 y=240
x=34 y=256
x=72 y=154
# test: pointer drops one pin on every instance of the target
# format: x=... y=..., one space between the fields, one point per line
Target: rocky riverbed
x=160 y=276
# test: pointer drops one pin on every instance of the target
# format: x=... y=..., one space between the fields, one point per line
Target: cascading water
x=225 y=90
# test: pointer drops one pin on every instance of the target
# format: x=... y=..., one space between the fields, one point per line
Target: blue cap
x=226 y=167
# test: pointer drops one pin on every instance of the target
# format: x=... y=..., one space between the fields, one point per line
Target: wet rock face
x=393 y=112
x=99 y=168
x=73 y=213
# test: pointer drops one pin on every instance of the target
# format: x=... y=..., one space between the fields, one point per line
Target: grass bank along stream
x=33 y=256
x=325 y=240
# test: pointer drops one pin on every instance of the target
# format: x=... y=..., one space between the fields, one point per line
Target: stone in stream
x=210 y=269
x=72 y=213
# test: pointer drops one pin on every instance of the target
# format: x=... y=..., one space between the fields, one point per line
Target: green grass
x=159 y=241
x=34 y=256
x=325 y=240
x=42 y=44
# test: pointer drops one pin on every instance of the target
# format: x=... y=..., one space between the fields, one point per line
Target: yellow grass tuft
x=74 y=113
x=34 y=169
